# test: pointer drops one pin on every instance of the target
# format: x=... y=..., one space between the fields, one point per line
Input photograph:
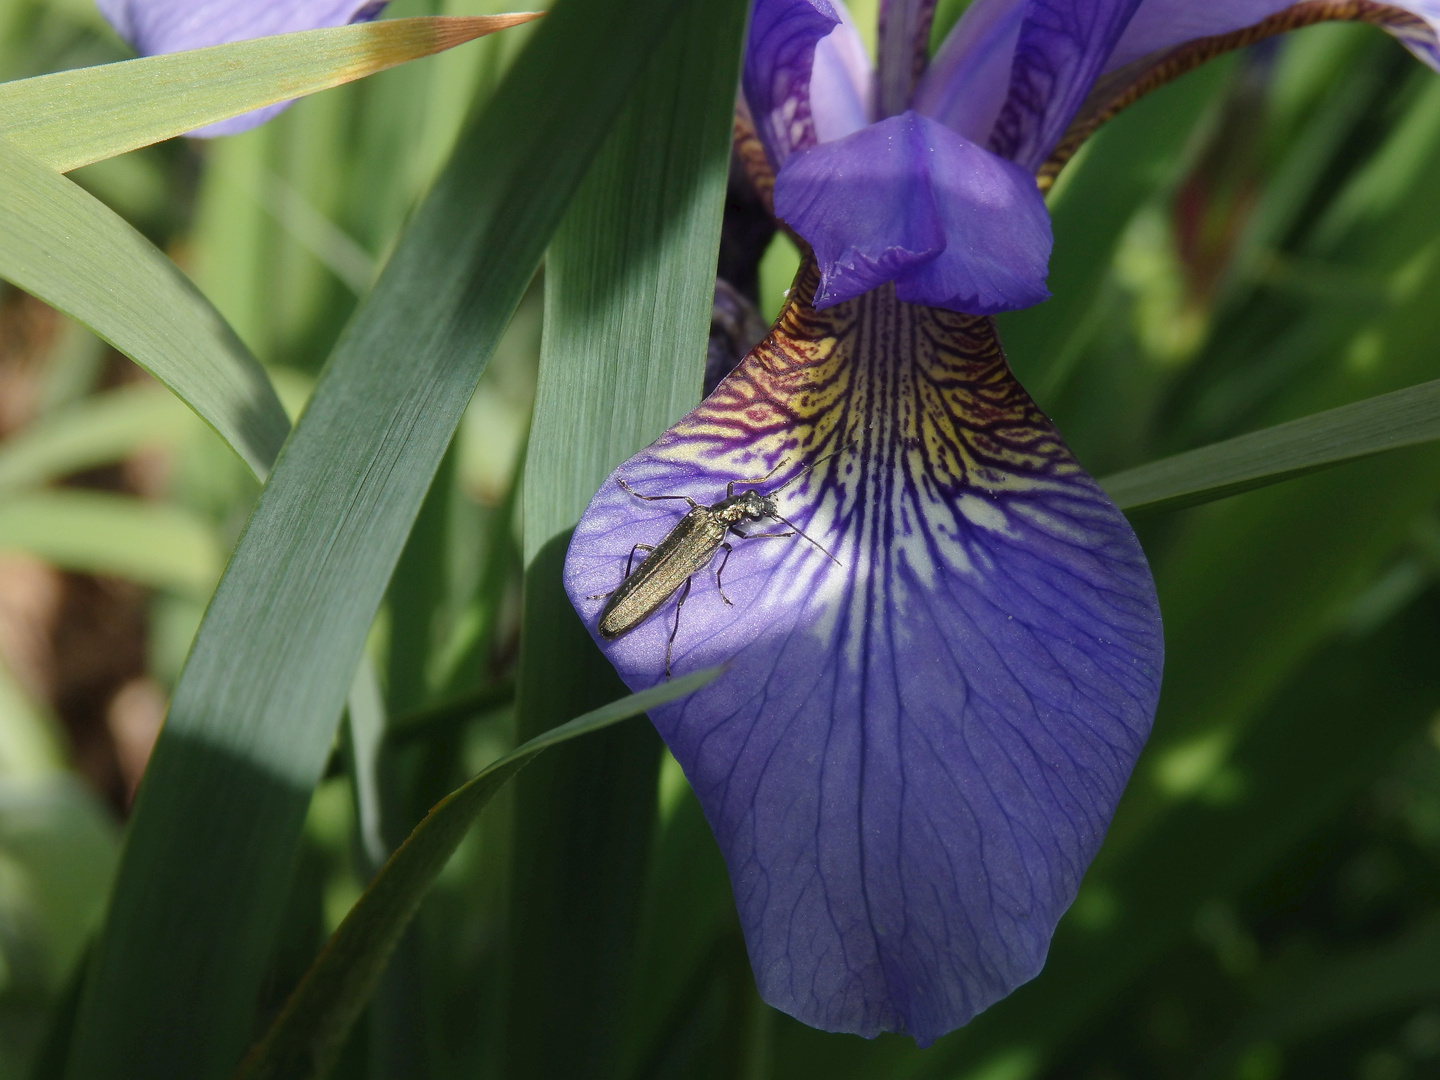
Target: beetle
x=688 y=547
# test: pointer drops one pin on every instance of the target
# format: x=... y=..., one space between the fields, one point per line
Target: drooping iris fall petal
x=162 y=26
x=907 y=200
x=914 y=754
x=1163 y=24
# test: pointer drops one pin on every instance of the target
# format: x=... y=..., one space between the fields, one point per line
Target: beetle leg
x=759 y=536
x=631 y=561
x=720 y=570
x=653 y=498
x=670 y=644
x=628 y=563
x=730 y=487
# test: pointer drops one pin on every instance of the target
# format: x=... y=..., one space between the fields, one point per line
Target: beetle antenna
x=809 y=467
x=807 y=536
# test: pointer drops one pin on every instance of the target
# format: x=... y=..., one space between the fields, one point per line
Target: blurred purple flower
x=916 y=746
x=162 y=26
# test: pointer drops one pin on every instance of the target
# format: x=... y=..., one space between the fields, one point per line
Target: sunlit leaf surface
x=73 y=118
x=66 y=247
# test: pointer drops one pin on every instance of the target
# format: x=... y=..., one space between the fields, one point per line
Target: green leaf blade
x=65 y=247
x=629 y=290
x=1377 y=425
x=74 y=118
x=308 y=1034
x=177 y=968
x=94 y=431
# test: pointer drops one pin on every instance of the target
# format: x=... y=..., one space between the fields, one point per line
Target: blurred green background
x=1254 y=243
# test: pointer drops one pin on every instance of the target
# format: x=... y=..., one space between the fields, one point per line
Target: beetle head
x=757 y=505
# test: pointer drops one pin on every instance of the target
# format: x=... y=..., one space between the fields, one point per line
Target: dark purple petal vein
x=779 y=54
x=913 y=756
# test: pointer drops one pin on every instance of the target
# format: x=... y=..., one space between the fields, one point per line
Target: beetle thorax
x=747 y=506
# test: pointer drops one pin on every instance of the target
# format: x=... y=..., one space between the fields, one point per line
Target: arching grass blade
x=73 y=118
x=306 y=1037
x=1391 y=421
x=63 y=245
x=97 y=430
x=97 y=532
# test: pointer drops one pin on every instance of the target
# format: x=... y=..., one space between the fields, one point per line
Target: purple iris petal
x=903 y=47
x=913 y=755
x=1163 y=24
x=997 y=233
x=779 y=53
x=841 y=82
x=865 y=205
x=1063 y=47
x=162 y=26
x=908 y=200
x=969 y=78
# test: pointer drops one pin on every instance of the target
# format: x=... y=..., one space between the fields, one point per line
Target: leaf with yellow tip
x=74 y=118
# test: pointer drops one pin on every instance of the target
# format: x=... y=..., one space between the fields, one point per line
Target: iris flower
x=944 y=658
x=942 y=664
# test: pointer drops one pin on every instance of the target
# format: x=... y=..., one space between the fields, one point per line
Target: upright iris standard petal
x=162 y=26
x=1163 y=24
x=841 y=81
x=907 y=200
x=779 y=55
x=969 y=77
x=902 y=50
x=1063 y=48
x=913 y=754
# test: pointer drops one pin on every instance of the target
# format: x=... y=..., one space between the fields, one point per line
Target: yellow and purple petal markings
x=915 y=752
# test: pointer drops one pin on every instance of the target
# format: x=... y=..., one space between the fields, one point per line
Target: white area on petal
x=986 y=515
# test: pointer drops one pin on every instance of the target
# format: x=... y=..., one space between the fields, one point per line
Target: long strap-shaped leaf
x=64 y=246
x=207 y=859
x=73 y=118
x=309 y=1033
x=1391 y=421
x=629 y=285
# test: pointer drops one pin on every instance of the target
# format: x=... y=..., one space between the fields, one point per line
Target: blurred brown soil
x=76 y=643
